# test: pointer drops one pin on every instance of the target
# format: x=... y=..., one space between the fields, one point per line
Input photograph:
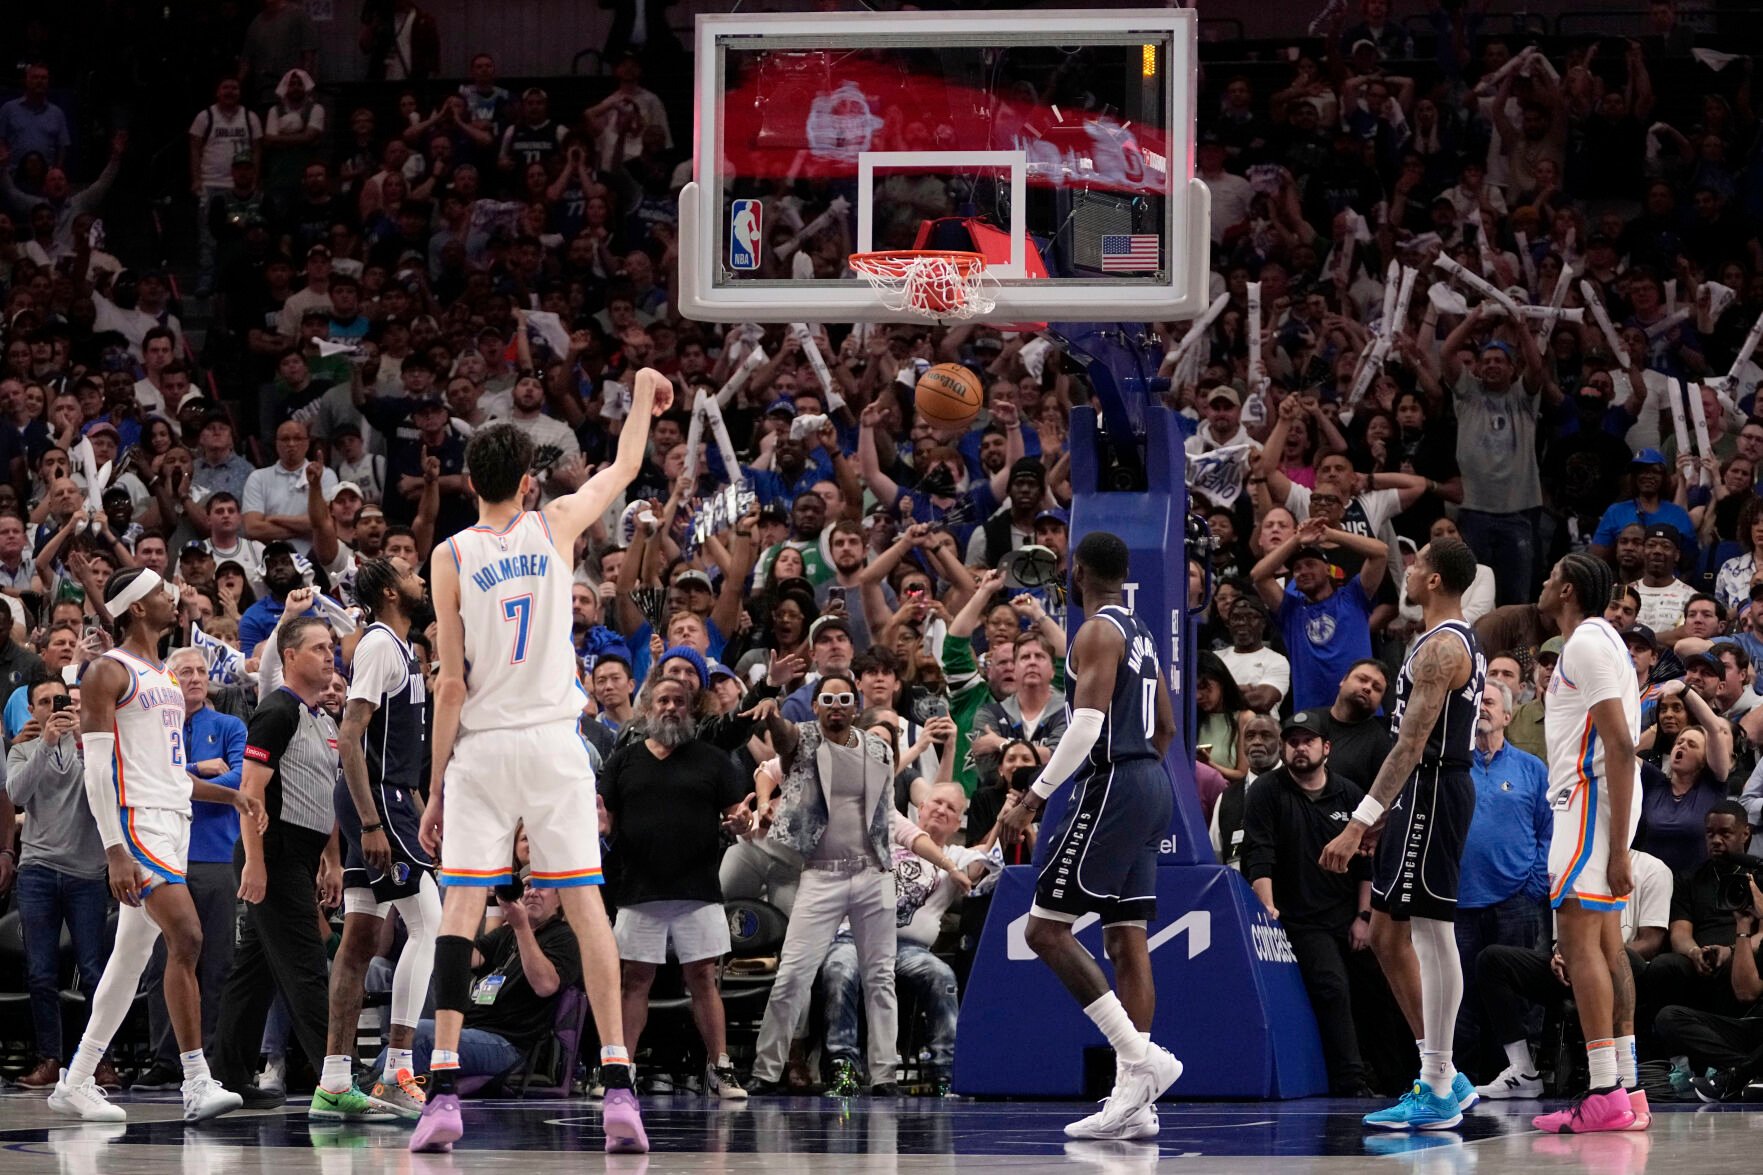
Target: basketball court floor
x=906 y=1136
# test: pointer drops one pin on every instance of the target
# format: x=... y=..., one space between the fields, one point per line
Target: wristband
x=1368 y=812
x=375 y=827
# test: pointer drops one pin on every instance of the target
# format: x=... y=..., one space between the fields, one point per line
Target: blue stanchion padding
x=1230 y=1001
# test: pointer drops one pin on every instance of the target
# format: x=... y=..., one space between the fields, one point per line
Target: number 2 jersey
x=1132 y=711
x=514 y=600
x=149 y=763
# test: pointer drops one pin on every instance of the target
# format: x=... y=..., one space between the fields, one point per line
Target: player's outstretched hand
x=430 y=832
x=662 y=386
x=1338 y=854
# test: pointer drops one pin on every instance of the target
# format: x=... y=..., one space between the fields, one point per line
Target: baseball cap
x=1029 y=467
x=319 y=250
x=718 y=669
x=1641 y=634
x=1649 y=457
x=1223 y=392
x=693 y=576
x=1707 y=660
x=344 y=487
x=1306 y=720
x=781 y=407
x=1309 y=552
x=104 y=426
x=1364 y=43
x=1496 y=345
x=1057 y=514
x=773 y=512
x=279 y=547
x=196 y=547
x=431 y=400
x=1551 y=648
x=827 y=623
x=1664 y=530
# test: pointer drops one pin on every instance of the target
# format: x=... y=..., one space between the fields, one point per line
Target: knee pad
x=452 y=973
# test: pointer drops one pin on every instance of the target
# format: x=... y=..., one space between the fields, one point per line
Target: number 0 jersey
x=514 y=600
x=1132 y=711
x=149 y=762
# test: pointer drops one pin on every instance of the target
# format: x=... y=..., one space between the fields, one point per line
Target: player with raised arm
x=1591 y=722
x=508 y=750
x=1430 y=799
x=139 y=791
x=1104 y=854
x=381 y=744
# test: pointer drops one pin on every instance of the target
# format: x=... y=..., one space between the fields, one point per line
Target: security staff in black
x=1288 y=816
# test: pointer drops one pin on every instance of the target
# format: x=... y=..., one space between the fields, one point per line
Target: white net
x=929 y=285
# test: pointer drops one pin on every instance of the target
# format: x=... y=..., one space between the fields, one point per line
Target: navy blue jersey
x=1452 y=738
x=386 y=674
x=1132 y=711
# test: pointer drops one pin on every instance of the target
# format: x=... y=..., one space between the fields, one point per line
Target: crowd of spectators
x=371 y=280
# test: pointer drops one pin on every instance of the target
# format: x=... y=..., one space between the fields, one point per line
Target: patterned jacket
x=802 y=808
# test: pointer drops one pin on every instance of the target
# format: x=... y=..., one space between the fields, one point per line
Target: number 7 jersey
x=514 y=600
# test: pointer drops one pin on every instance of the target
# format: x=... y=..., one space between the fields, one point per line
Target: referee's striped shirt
x=300 y=744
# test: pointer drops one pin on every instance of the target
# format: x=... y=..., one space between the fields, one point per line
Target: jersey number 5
x=519 y=609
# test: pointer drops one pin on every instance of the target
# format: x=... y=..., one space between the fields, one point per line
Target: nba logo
x=745 y=219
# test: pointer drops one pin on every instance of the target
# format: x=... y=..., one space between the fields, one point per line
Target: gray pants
x=214 y=889
x=757 y=869
x=823 y=903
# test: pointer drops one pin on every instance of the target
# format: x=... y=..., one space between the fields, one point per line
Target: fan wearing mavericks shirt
x=1326 y=628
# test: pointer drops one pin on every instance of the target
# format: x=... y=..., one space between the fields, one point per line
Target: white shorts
x=159 y=841
x=499 y=780
x=1579 y=849
x=699 y=930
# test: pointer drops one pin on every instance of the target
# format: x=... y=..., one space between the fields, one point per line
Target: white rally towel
x=226 y=665
x=1219 y=473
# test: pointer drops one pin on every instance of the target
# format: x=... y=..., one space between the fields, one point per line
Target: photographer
x=62 y=876
x=1698 y=971
x=1732 y=1046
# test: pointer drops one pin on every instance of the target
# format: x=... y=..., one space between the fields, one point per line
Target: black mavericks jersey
x=1132 y=711
x=1452 y=739
x=397 y=734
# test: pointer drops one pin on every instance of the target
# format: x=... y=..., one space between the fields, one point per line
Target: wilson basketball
x=948 y=395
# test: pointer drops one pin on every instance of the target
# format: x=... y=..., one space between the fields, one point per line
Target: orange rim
x=894 y=262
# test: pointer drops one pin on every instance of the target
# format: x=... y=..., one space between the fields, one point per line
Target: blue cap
x=1058 y=514
x=1649 y=457
x=693 y=658
x=1496 y=345
x=787 y=407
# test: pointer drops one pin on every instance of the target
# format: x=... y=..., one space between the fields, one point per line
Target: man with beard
x=1014 y=526
x=1288 y=817
x=1631 y=543
x=1650 y=506
x=280 y=576
x=1262 y=674
x=792 y=473
x=1261 y=747
x=807 y=519
x=669 y=797
x=852 y=574
x=1358 y=739
x=1663 y=595
x=383 y=745
x=1325 y=627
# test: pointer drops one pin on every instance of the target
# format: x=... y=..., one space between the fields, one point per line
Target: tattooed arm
x=1439 y=666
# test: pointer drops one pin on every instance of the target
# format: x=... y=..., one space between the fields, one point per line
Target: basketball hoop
x=930 y=283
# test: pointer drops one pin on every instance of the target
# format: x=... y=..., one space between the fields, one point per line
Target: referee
x=291 y=765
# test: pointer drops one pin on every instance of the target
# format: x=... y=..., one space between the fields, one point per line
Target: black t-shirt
x=1695 y=898
x=666 y=821
x=1357 y=750
x=519 y=1014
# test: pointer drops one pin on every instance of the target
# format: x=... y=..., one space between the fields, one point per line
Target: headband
x=138 y=590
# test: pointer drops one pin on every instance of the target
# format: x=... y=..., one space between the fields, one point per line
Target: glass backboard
x=1057 y=143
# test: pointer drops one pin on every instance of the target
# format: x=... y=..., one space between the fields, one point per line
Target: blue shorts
x=1103 y=856
x=401 y=813
x=1418 y=859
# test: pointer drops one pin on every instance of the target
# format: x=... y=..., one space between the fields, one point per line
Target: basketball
x=949 y=395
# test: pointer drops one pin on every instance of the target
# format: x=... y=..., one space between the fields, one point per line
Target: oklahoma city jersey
x=514 y=600
x=150 y=771
x=1594 y=666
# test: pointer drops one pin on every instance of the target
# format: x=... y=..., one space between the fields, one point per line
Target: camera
x=1733 y=875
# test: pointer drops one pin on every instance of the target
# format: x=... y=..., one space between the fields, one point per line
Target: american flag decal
x=1130 y=252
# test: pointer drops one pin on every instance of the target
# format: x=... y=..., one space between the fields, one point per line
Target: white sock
x=1626 y=1065
x=338 y=1074
x=397 y=1059
x=1518 y=1057
x=1109 y=1014
x=443 y=1059
x=85 y=1062
x=1437 y=1072
x=1441 y=992
x=195 y=1066
x=1600 y=1058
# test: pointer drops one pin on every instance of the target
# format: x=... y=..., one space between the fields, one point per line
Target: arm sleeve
x=1068 y=756
x=272 y=729
x=100 y=750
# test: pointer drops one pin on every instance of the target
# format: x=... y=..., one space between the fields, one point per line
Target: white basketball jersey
x=1594 y=667
x=150 y=768
x=514 y=600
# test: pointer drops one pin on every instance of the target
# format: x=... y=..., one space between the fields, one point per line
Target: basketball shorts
x=401 y=814
x=1103 y=856
x=1415 y=869
x=698 y=930
x=538 y=777
x=159 y=841
x=1579 y=850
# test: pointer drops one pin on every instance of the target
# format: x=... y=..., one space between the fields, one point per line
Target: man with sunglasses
x=836 y=809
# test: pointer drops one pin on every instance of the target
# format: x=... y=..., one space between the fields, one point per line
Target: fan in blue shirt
x=1647 y=507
